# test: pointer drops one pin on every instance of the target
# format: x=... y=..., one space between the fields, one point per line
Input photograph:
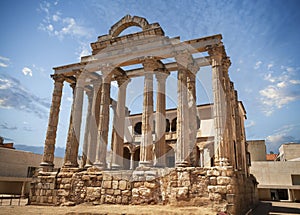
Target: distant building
x=280 y=179
x=271 y=157
x=17 y=168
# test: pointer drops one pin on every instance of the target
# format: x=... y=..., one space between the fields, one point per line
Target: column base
x=222 y=162
x=86 y=166
x=145 y=163
x=70 y=165
x=47 y=166
x=182 y=164
x=100 y=165
x=116 y=166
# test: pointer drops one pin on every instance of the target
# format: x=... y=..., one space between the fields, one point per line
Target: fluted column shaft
x=48 y=156
x=192 y=111
x=160 y=118
x=182 y=145
x=87 y=133
x=119 y=122
x=75 y=124
x=102 y=136
x=93 y=126
x=146 y=148
x=219 y=107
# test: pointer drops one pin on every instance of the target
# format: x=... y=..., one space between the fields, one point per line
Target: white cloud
x=5 y=61
x=4 y=58
x=50 y=27
x=64 y=26
x=27 y=71
x=281 y=84
x=14 y=95
x=281 y=91
x=295 y=81
x=282 y=135
x=5 y=84
x=257 y=64
x=250 y=124
x=273 y=96
x=290 y=69
x=3 y=64
x=270 y=66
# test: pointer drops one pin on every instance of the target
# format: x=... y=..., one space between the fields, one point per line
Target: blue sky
x=261 y=38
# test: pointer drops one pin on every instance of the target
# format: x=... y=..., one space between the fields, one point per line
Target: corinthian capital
x=58 y=77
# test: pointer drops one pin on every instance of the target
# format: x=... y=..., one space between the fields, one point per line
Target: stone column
x=92 y=141
x=182 y=145
x=219 y=107
x=48 y=156
x=119 y=122
x=146 y=153
x=229 y=152
x=87 y=133
x=102 y=136
x=131 y=161
x=75 y=124
x=192 y=111
x=160 y=118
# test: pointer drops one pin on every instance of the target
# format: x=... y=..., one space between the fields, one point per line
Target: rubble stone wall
x=218 y=187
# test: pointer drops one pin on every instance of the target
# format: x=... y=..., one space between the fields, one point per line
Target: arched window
x=174 y=124
x=167 y=125
x=138 y=128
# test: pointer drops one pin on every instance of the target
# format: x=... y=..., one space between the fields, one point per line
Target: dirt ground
x=101 y=210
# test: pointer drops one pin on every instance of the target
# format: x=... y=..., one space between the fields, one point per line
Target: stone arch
x=174 y=125
x=167 y=125
x=138 y=128
x=126 y=22
x=126 y=157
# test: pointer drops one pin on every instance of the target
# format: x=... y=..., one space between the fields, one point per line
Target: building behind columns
x=278 y=179
x=194 y=154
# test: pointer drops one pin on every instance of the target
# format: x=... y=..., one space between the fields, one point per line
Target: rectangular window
x=296 y=179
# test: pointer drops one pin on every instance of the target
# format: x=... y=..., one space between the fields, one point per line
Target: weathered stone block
x=215 y=196
x=150 y=185
x=119 y=199
x=106 y=184
x=107 y=177
x=109 y=191
x=223 y=180
x=117 y=192
x=122 y=185
x=213 y=172
x=182 y=193
x=86 y=177
x=150 y=178
x=115 y=184
x=213 y=180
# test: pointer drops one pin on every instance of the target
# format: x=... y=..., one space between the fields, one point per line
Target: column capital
x=226 y=63
x=161 y=74
x=97 y=82
x=185 y=61
x=150 y=64
x=216 y=52
x=58 y=77
x=122 y=80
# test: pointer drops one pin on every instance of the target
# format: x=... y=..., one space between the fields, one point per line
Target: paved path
x=276 y=208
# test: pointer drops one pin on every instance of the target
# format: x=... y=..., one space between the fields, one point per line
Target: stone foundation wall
x=218 y=187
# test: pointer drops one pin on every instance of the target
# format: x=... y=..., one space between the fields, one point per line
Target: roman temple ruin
x=190 y=155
